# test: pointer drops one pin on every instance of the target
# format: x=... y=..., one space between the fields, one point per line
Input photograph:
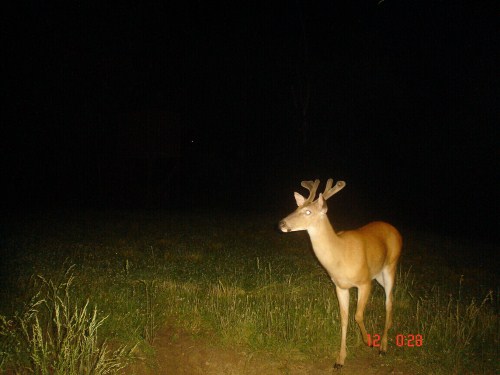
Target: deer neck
x=324 y=241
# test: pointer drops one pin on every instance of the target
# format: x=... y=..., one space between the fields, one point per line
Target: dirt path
x=185 y=355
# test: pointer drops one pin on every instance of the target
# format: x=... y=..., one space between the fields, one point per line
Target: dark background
x=398 y=98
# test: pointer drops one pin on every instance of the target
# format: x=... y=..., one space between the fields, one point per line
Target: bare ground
x=180 y=353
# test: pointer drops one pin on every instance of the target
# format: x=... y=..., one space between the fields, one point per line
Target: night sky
x=397 y=98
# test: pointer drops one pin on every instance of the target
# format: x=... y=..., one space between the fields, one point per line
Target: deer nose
x=283 y=226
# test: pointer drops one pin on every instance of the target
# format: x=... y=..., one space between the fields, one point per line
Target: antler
x=312 y=187
x=329 y=190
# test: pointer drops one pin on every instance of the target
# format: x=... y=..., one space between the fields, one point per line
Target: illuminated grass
x=237 y=280
x=55 y=335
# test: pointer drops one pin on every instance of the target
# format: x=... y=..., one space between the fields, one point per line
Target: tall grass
x=465 y=333
x=239 y=283
x=55 y=335
x=300 y=313
x=150 y=324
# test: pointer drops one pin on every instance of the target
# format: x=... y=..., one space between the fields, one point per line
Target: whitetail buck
x=352 y=258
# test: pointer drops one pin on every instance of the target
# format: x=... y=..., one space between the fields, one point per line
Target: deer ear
x=299 y=199
x=321 y=202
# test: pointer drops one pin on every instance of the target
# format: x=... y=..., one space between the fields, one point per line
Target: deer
x=352 y=258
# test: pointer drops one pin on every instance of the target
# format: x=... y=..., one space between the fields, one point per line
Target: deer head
x=309 y=210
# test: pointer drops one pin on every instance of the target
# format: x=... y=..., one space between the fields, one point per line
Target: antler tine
x=312 y=187
x=329 y=190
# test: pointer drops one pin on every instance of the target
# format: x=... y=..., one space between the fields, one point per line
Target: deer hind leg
x=386 y=279
x=363 y=294
x=343 y=298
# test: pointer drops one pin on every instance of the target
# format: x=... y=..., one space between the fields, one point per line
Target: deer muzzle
x=284 y=228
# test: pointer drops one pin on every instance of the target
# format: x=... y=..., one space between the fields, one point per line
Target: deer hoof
x=337 y=366
x=382 y=353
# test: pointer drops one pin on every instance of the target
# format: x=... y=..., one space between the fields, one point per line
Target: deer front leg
x=343 y=297
x=363 y=294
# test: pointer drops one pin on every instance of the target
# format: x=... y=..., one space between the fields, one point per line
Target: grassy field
x=88 y=294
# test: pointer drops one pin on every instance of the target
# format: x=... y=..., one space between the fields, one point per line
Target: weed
x=54 y=335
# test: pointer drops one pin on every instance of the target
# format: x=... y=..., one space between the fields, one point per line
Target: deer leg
x=343 y=297
x=363 y=294
x=388 y=276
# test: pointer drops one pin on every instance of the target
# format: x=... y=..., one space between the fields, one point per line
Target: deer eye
x=308 y=212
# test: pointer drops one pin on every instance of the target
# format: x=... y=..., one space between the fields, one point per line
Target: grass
x=231 y=277
x=54 y=335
